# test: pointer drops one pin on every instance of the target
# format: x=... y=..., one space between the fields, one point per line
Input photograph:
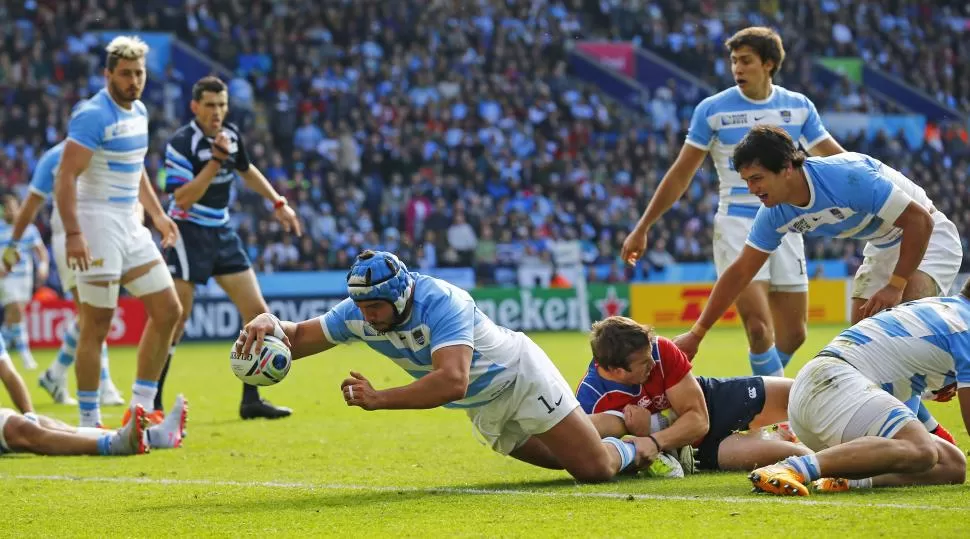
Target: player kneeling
x=839 y=406
x=635 y=374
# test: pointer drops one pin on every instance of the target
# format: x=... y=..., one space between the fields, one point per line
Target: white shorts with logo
x=832 y=403
x=537 y=401
x=118 y=243
x=941 y=261
x=785 y=269
x=68 y=280
x=17 y=289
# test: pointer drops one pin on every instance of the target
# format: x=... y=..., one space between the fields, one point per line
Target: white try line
x=753 y=499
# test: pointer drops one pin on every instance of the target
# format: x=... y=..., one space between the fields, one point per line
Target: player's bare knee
x=596 y=471
x=953 y=461
x=21 y=434
x=758 y=331
x=919 y=455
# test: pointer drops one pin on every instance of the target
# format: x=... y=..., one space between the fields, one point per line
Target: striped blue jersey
x=42 y=180
x=30 y=239
x=852 y=196
x=919 y=345
x=722 y=120
x=441 y=315
x=186 y=154
x=119 y=140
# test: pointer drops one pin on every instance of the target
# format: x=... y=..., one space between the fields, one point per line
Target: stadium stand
x=452 y=133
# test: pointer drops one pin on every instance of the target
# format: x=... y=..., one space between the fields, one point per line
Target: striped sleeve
x=178 y=169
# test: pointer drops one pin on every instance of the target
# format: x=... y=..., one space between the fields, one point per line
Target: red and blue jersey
x=598 y=395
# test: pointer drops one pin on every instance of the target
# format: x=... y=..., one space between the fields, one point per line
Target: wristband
x=698 y=330
x=655 y=442
x=280 y=202
x=898 y=282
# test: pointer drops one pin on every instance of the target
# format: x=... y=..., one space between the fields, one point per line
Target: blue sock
x=766 y=363
x=807 y=466
x=784 y=357
x=87 y=402
x=7 y=333
x=20 y=338
x=65 y=356
x=104 y=444
x=926 y=418
x=143 y=393
x=627 y=451
x=105 y=373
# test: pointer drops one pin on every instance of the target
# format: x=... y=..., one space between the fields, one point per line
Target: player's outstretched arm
x=304 y=338
x=16 y=387
x=727 y=289
x=284 y=214
x=917 y=226
x=447 y=382
x=671 y=188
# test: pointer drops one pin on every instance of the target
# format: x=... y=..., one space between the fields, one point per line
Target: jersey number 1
x=549 y=409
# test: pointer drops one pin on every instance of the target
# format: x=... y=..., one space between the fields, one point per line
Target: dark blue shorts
x=205 y=251
x=732 y=403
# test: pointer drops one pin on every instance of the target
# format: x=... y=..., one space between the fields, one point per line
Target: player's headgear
x=379 y=275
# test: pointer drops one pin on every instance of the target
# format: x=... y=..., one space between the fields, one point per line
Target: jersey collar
x=756 y=101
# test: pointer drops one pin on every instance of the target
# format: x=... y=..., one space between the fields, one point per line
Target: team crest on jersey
x=785 y=116
x=418 y=336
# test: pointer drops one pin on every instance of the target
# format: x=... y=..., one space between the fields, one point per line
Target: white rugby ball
x=266 y=368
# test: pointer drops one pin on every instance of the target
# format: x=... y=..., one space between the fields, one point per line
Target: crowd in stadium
x=451 y=132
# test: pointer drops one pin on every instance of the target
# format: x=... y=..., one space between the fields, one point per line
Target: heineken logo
x=549 y=309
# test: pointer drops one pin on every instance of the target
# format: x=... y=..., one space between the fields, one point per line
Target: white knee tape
x=157 y=279
x=104 y=297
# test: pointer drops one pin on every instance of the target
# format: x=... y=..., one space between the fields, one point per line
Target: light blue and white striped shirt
x=119 y=140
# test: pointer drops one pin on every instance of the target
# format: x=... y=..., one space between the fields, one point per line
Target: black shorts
x=731 y=405
x=205 y=251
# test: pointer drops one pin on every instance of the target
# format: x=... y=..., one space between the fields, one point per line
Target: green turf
x=334 y=470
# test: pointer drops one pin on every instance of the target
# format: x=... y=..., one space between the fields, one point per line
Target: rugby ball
x=665 y=465
x=265 y=368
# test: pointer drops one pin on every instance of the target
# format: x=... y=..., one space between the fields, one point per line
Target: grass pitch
x=331 y=470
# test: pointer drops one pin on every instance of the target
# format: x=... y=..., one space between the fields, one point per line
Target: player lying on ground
x=18 y=279
x=861 y=432
x=912 y=250
x=635 y=374
x=508 y=386
x=27 y=432
x=773 y=306
x=54 y=379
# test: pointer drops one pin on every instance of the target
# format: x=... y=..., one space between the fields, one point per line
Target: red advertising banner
x=47 y=320
x=617 y=56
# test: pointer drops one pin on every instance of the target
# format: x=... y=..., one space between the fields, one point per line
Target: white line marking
x=754 y=499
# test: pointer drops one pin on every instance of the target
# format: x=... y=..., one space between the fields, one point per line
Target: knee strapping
x=157 y=279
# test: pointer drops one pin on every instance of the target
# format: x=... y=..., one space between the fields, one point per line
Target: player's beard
x=124 y=94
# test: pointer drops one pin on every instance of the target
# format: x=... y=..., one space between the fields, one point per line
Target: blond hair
x=125 y=48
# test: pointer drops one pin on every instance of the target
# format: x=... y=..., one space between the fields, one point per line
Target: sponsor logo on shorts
x=752 y=392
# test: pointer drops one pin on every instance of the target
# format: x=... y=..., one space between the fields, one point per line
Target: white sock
x=143 y=393
x=89 y=407
x=860 y=483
